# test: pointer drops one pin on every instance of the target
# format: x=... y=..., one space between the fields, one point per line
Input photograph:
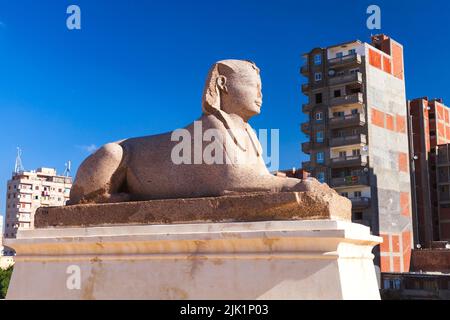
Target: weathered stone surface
x=309 y=259
x=323 y=203
x=150 y=167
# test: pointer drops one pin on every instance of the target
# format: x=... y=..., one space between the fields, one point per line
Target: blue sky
x=138 y=67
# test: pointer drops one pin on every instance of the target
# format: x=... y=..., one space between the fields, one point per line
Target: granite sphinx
x=144 y=168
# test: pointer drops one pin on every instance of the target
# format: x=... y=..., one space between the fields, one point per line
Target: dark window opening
x=318 y=98
x=357 y=215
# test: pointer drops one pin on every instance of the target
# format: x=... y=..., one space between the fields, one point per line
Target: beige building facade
x=29 y=190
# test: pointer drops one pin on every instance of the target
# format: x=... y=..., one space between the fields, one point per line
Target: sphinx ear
x=211 y=95
x=222 y=83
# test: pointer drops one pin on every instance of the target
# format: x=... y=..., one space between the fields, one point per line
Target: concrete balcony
x=350 y=120
x=306 y=107
x=348 y=181
x=360 y=203
x=305 y=127
x=306 y=147
x=304 y=70
x=348 y=140
x=348 y=161
x=305 y=88
x=351 y=99
x=347 y=60
x=306 y=164
x=25 y=190
x=347 y=79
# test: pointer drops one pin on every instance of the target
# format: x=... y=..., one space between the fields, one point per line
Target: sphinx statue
x=143 y=168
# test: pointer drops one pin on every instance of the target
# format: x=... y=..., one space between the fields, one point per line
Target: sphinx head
x=233 y=87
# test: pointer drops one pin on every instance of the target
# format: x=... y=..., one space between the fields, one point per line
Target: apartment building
x=429 y=136
x=358 y=142
x=29 y=190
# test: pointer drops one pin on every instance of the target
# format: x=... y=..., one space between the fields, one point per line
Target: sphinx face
x=243 y=95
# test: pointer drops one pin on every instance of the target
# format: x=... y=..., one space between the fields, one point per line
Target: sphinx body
x=143 y=168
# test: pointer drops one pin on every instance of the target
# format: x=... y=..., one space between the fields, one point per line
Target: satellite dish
x=331 y=72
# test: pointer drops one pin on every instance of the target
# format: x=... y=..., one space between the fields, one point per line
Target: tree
x=5 y=276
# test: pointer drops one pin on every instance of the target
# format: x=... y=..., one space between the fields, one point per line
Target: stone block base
x=311 y=259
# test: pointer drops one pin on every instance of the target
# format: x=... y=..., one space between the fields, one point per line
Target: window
x=342 y=154
x=318 y=98
x=357 y=216
x=353 y=71
x=352 y=51
x=320 y=157
x=392 y=284
x=317 y=59
x=337 y=93
x=338 y=114
x=319 y=136
x=339 y=54
x=357 y=194
x=344 y=194
x=355 y=111
x=321 y=177
x=319 y=116
x=340 y=73
x=318 y=76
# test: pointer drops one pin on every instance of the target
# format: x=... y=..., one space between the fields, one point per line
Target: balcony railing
x=347 y=59
x=355 y=180
x=304 y=69
x=306 y=107
x=305 y=127
x=348 y=161
x=305 y=88
x=355 y=98
x=349 y=78
x=306 y=147
x=360 y=202
x=348 y=140
x=306 y=164
x=350 y=120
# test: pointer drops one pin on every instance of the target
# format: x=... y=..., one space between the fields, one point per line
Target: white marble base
x=312 y=259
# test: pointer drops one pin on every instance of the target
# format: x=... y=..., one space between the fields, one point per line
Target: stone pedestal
x=309 y=259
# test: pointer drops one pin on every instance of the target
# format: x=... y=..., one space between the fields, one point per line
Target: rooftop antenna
x=68 y=165
x=19 y=166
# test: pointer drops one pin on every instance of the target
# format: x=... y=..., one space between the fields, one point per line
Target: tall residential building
x=430 y=136
x=29 y=190
x=358 y=140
